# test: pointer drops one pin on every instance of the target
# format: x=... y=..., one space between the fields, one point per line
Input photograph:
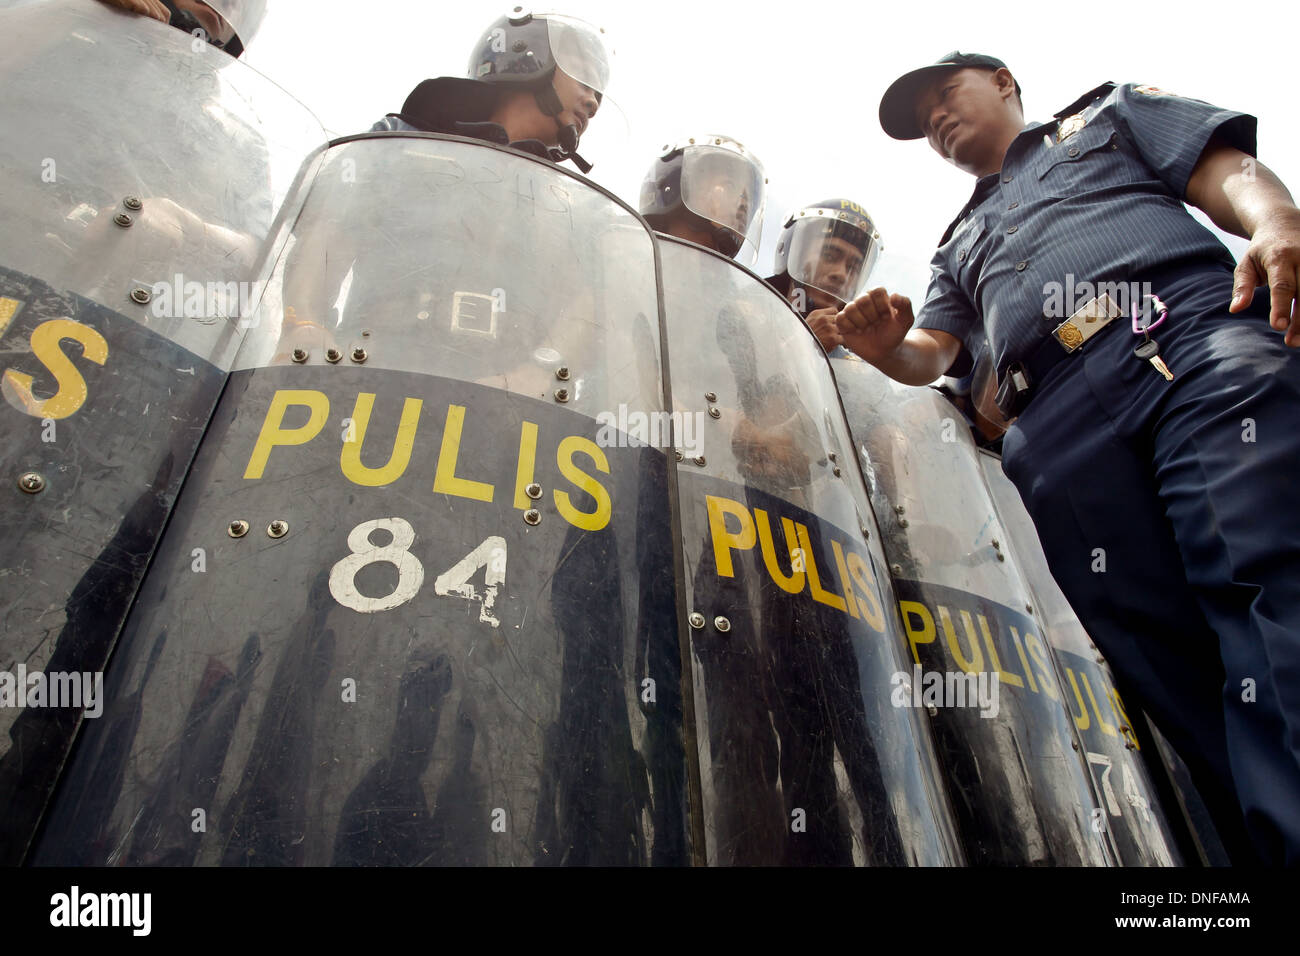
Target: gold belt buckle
x=1087 y=322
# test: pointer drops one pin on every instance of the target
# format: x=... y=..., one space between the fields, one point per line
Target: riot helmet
x=716 y=180
x=524 y=49
x=830 y=247
x=243 y=17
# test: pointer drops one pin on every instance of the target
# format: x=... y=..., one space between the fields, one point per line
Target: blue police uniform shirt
x=1102 y=204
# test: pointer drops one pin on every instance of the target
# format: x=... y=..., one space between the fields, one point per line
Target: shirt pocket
x=962 y=247
x=1096 y=158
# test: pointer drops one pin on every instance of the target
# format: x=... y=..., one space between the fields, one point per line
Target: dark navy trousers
x=1170 y=518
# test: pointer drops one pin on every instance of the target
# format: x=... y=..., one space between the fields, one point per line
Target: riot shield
x=1021 y=791
x=436 y=623
x=1137 y=822
x=795 y=643
x=140 y=177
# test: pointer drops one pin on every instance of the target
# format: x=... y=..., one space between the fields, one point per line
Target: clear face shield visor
x=244 y=16
x=726 y=187
x=580 y=50
x=831 y=254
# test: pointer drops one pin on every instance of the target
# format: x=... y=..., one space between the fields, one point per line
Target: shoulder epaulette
x=1082 y=102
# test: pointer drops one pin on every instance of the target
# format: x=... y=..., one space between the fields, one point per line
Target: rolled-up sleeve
x=1171 y=132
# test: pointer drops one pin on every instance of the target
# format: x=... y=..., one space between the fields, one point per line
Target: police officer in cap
x=535 y=82
x=1159 y=475
x=823 y=260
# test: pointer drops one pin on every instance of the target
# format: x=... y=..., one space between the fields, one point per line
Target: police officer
x=191 y=15
x=535 y=82
x=1161 y=490
x=709 y=190
x=823 y=260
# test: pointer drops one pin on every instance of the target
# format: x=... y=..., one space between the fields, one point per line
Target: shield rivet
x=697 y=620
x=237 y=529
x=896 y=570
x=333 y=356
x=358 y=354
x=533 y=491
x=710 y=396
x=277 y=528
x=532 y=516
x=299 y=355
x=32 y=483
x=722 y=624
x=123 y=220
x=699 y=460
x=133 y=203
x=714 y=412
x=562 y=373
x=561 y=394
x=140 y=295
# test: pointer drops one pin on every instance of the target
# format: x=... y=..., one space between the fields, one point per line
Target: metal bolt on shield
x=140 y=295
x=533 y=490
x=561 y=394
x=332 y=356
x=31 y=482
x=277 y=528
x=123 y=220
x=237 y=529
x=358 y=354
x=722 y=624
x=697 y=620
x=562 y=373
x=133 y=203
x=532 y=516
x=299 y=355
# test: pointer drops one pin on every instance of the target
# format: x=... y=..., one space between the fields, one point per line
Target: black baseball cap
x=898 y=105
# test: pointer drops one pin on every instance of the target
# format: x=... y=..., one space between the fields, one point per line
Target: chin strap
x=548 y=101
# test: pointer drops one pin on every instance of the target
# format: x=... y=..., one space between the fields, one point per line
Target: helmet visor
x=580 y=50
x=833 y=253
x=244 y=15
x=726 y=187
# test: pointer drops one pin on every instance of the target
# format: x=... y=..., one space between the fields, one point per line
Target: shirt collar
x=496 y=133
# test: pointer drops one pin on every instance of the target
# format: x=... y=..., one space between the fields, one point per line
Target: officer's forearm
x=1236 y=191
x=919 y=359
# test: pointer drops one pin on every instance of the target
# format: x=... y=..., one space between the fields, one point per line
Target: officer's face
x=579 y=100
x=966 y=117
x=837 y=265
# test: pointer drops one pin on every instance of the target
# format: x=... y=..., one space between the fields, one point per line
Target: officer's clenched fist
x=875 y=324
x=822 y=323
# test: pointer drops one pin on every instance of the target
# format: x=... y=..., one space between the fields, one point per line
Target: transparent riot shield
x=977 y=657
x=140 y=177
x=806 y=755
x=436 y=622
x=1137 y=823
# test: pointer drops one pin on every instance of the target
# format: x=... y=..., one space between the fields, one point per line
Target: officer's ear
x=1007 y=87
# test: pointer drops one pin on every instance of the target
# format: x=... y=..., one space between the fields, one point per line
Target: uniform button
x=1006 y=178
x=1014 y=204
x=1020 y=266
x=1073 y=150
x=1012 y=229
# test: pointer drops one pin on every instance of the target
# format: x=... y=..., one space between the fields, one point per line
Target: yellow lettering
x=1081 y=721
x=527 y=464
x=398 y=459
x=724 y=540
x=844 y=578
x=71 y=393
x=1024 y=661
x=272 y=434
x=975 y=663
x=792 y=584
x=584 y=482
x=1106 y=728
x=1130 y=732
x=444 y=478
x=1040 y=659
x=1003 y=676
x=8 y=309
x=866 y=582
x=820 y=595
x=925 y=635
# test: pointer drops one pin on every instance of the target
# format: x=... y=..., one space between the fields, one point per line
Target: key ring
x=1161 y=308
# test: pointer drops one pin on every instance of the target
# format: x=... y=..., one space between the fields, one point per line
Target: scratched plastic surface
x=106 y=398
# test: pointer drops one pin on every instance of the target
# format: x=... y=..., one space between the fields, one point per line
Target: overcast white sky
x=800 y=83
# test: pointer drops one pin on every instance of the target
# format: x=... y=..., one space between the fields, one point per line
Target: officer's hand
x=822 y=323
x=150 y=8
x=1273 y=258
x=875 y=324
